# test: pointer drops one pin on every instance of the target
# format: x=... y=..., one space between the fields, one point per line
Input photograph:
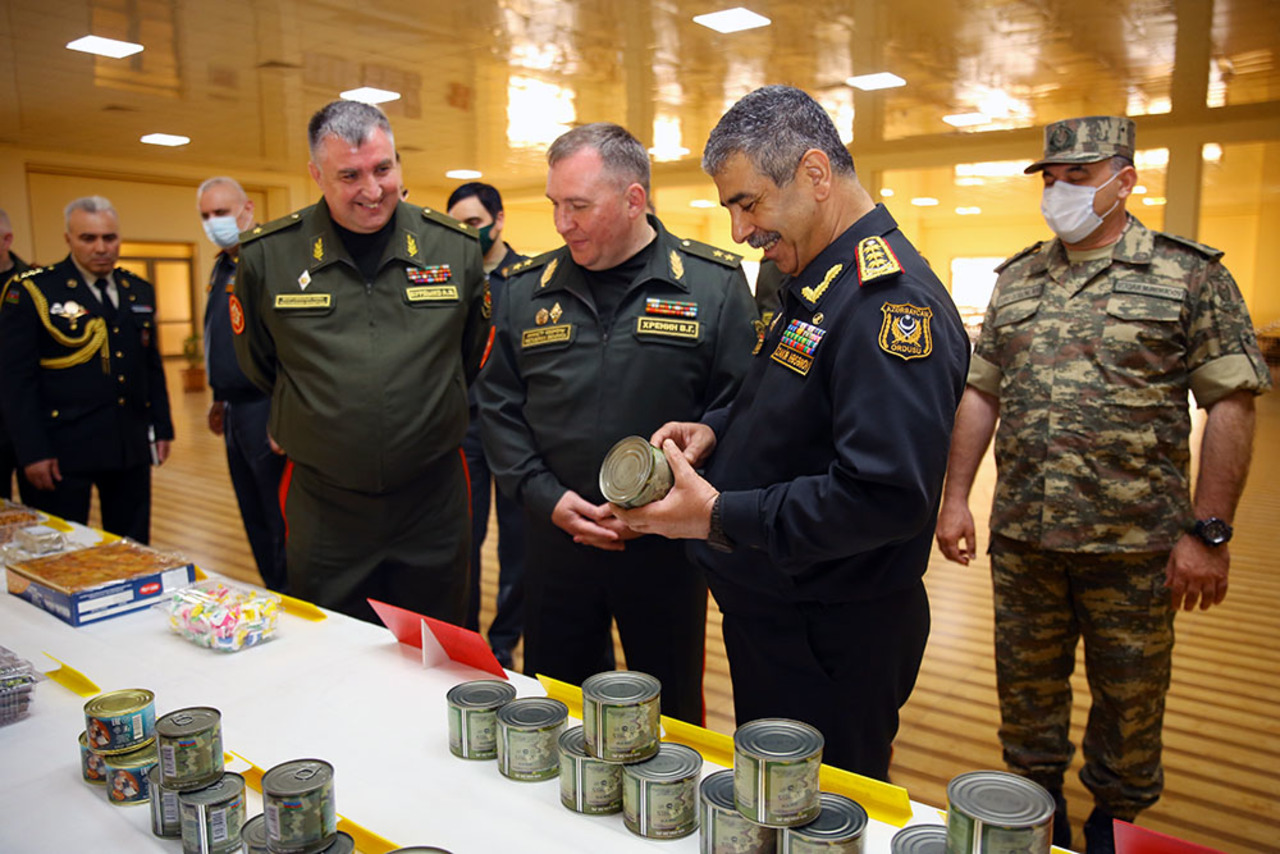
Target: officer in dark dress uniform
x=815 y=518
x=83 y=384
x=10 y=265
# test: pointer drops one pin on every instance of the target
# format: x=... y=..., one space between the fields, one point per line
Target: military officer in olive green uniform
x=621 y=329
x=1089 y=347
x=366 y=317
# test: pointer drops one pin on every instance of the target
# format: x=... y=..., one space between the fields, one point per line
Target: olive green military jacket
x=1092 y=363
x=368 y=379
x=561 y=388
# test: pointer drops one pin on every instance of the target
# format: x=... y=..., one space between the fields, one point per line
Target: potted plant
x=193 y=373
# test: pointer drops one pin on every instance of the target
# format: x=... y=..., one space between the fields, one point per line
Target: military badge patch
x=876 y=260
x=432 y=275
x=12 y=296
x=798 y=345
x=542 y=317
x=556 y=312
x=486 y=307
x=905 y=331
x=237 y=314
x=670 y=307
x=304 y=280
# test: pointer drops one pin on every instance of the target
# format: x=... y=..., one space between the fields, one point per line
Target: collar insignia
x=815 y=294
x=317 y=249
x=410 y=245
x=677 y=266
x=905 y=331
x=549 y=272
x=876 y=260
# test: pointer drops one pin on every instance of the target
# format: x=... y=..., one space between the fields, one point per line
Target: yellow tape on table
x=570 y=695
x=58 y=524
x=73 y=680
x=299 y=608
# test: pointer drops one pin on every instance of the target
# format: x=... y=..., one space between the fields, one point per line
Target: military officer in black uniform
x=366 y=317
x=10 y=265
x=83 y=384
x=621 y=329
x=815 y=518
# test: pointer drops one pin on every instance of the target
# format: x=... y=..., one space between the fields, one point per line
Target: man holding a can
x=815 y=517
x=621 y=329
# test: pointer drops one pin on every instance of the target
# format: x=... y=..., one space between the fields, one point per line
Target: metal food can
x=254 y=835
x=473 y=717
x=775 y=771
x=120 y=721
x=587 y=785
x=190 y=743
x=127 y=775
x=528 y=738
x=724 y=829
x=995 y=812
x=166 y=818
x=92 y=768
x=920 y=839
x=297 y=799
x=212 y=816
x=660 y=795
x=635 y=473
x=342 y=844
x=419 y=849
x=620 y=712
x=838 y=829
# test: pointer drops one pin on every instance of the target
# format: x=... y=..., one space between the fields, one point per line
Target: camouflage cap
x=1086 y=140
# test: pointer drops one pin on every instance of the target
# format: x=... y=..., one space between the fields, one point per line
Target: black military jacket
x=75 y=387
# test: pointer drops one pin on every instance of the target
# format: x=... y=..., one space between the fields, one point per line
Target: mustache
x=759 y=239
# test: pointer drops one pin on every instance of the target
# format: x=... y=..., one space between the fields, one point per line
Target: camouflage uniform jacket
x=1092 y=363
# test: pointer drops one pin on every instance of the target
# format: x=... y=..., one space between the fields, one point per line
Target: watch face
x=1214 y=531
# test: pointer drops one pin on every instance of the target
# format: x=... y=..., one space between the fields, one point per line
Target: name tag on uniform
x=295 y=301
x=1017 y=294
x=668 y=328
x=1148 y=288
x=546 y=335
x=142 y=309
x=432 y=293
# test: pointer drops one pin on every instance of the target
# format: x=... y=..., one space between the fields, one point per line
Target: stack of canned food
x=118 y=745
x=299 y=813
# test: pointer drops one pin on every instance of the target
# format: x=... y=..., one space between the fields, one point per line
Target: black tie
x=108 y=310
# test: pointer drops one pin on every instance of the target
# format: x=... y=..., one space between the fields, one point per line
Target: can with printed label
x=660 y=795
x=190 y=742
x=473 y=717
x=213 y=816
x=995 y=812
x=120 y=721
x=775 y=771
x=620 y=715
x=297 y=799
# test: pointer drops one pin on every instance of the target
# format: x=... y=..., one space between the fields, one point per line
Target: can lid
x=671 y=762
x=839 y=820
x=84 y=739
x=116 y=703
x=920 y=839
x=254 y=832
x=533 y=713
x=296 y=777
x=778 y=738
x=190 y=721
x=1000 y=798
x=717 y=789
x=621 y=687
x=481 y=694
x=626 y=469
x=226 y=787
x=573 y=742
x=342 y=844
x=140 y=758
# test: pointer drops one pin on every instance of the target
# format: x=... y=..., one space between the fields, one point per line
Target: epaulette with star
x=444 y=219
x=1034 y=247
x=13 y=295
x=711 y=253
x=530 y=263
x=275 y=225
x=876 y=260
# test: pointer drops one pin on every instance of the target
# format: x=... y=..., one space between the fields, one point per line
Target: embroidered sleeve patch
x=237 y=314
x=905 y=330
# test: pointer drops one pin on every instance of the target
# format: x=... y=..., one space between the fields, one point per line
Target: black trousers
x=255 y=476
x=658 y=598
x=407 y=547
x=845 y=668
x=124 y=496
x=8 y=466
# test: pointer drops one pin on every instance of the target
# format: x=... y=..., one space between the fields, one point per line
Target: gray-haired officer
x=366 y=317
x=1089 y=347
x=83 y=384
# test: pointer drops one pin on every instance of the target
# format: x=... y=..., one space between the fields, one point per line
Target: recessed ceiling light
x=966 y=120
x=872 y=82
x=1139 y=189
x=104 y=47
x=702 y=203
x=464 y=174
x=924 y=201
x=169 y=139
x=886 y=193
x=664 y=153
x=1153 y=201
x=370 y=95
x=1212 y=152
x=732 y=20
x=968 y=211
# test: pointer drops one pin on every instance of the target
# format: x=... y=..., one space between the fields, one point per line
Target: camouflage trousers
x=1044 y=603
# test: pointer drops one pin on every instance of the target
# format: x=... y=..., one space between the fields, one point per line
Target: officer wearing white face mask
x=1089 y=347
x=240 y=409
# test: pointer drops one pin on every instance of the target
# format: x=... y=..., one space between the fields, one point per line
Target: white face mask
x=1068 y=209
x=222 y=230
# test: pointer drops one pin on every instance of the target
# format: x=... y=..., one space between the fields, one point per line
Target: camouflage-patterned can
x=660 y=795
x=838 y=829
x=120 y=721
x=587 y=785
x=190 y=743
x=635 y=473
x=254 y=835
x=166 y=818
x=297 y=799
x=473 y=717
x=127 y=776
x=775 y=771
x=212 y=816
x=995 y=812
x=92 y=768
x=343 y=843
x=920 y=839
x=528 y=738
x=724 y=829
x=620 y=715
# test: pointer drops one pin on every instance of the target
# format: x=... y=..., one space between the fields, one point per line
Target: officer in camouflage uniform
x=1089 y=347
x=366 y=317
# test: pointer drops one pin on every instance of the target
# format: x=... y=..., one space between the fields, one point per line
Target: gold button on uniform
x=120 y=401
x=54 y=413
x=120 y=378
